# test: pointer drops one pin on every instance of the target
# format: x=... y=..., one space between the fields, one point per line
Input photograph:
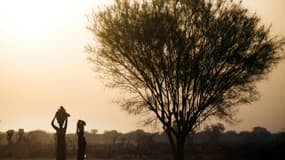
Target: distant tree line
x=211 y=143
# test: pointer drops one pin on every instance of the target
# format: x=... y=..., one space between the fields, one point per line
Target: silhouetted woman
x=81 y=148
x=62 y=118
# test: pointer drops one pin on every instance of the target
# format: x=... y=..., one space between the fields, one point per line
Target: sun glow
x=36 y=19
x=30 y=19
x=37 y=29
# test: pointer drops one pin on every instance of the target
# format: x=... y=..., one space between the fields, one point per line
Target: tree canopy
x=182 y=61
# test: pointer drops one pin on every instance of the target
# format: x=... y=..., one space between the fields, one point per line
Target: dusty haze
x=43 y=65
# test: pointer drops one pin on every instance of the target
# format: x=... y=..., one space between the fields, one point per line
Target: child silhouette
x=81 y=151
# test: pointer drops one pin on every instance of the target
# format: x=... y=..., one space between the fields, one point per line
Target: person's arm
x=53 y=125
x=65 y=124
x=77 y=128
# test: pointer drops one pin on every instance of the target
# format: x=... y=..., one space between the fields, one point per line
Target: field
x=49 y=159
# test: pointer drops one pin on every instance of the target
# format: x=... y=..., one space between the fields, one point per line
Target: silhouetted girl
x=81 y=150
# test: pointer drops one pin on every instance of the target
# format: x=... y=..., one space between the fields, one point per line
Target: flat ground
x=49 y=159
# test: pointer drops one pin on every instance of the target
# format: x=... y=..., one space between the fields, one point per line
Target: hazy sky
x=43 y=65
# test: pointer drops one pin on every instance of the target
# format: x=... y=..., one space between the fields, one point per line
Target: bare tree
x=113 y=136
x=182 y=62
x=21 y=133
x=10 y=134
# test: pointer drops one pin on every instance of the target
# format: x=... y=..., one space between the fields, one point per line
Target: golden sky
x=43 y=65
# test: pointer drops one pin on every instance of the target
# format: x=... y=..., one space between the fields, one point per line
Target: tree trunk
x=177 y=143
x=179 y=155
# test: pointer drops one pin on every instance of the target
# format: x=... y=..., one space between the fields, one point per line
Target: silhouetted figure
x=81 y=140
x=62 y=118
